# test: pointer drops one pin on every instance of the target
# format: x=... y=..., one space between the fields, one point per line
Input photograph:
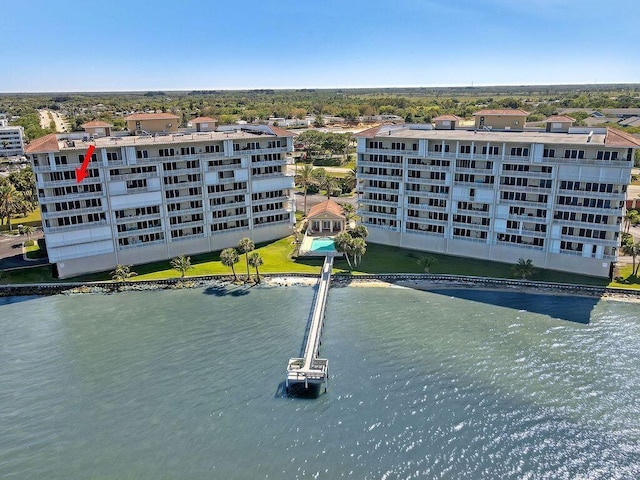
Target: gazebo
x=325 y=219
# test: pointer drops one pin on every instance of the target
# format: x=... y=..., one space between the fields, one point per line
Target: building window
x=574 y=154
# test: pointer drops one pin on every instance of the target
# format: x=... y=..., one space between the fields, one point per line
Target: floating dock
x=310 y=369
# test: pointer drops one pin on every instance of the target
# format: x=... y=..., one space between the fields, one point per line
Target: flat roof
x=584 y=137
x=75 y=141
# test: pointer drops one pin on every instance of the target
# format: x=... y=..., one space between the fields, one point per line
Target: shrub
x=29 y=243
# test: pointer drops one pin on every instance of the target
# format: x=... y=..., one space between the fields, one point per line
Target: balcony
x=185 y=184
x=529 y=174
x=472 y=226
x=71 y=196
x=579 y=208
x=428 y=168
x=139 y=244
x=133 y=176
x=79 y=226
x=528 y=189
x=590 y=240
x=524 y=203
x=228 y=205
x=613 y=227
x=426 y=194
x=229 y=218
x=186 y=211
x=424 y=207
x=615 y=195
x=524 y=232
x=383 y=203
x=528 y=246
x=263 y=201
x=187 y=237
x=389 y=216
x=75 y=211
x=67 y=183
x=377 y=176
x=379 y=164
x=379 y=190
x=475 y=171
x=428 y=181
x=427 y=221
x=140 y=231
x=137 y=218
x=176 y=172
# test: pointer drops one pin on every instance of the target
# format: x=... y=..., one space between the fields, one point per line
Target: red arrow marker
x=81 y=173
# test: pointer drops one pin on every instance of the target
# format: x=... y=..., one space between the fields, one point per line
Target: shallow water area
x=187 y=384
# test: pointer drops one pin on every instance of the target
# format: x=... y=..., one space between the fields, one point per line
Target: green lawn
x=385 y=259
x=625 y=279
x=34 y=251
x=277 y=259
x=33 y=218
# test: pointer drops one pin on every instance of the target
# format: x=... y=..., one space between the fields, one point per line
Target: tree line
x=412 y=104
x=18 y=195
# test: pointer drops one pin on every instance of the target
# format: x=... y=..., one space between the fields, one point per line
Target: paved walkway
x=11 y=251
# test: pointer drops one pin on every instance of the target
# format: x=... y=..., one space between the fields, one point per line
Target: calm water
x=449 y=384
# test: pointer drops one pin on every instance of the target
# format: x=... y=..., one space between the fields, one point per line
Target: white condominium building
x=150 y=198
x=11 y=139
x=497 y=190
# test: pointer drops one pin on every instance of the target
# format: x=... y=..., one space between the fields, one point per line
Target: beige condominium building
x=153 y=197
x=11 y=138
x=498 y=190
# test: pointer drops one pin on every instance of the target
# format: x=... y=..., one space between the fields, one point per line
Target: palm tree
x=358 y=249
x=229 y=257
x=10 y=202
x=343 y=243
x=330 y=184
x=351 y=178
x=426 y=262
x=122 y=273
x=633 y=250
x=349 y=212
x=28 y=231
x=630 y=217
x=255 y=260
x=306 y=178
x=524 y=268
x=181 y=264
x=360 y=231
x=246 y=245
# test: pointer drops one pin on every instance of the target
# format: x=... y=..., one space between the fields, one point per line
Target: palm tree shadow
x=227 y=290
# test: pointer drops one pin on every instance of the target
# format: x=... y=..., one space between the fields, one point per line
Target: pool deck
x=307 y=251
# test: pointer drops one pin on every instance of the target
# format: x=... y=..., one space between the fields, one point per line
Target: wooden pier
x=310 y=369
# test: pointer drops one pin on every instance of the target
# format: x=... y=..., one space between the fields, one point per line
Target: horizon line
x=227 y=89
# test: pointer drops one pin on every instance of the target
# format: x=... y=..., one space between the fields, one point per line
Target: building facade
x=498 y=191
x=150 y=198
x=11 y=139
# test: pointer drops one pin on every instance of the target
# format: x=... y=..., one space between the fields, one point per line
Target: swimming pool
x=322 y=244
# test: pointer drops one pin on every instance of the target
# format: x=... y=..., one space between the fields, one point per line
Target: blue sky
x=186 y=44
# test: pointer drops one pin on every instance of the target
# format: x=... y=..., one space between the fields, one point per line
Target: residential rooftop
x=575 y=136
x=78 y=140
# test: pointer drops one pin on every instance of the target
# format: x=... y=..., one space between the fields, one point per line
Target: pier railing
x=310 y=368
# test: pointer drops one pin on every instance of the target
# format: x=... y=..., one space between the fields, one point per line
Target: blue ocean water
x=441 y=384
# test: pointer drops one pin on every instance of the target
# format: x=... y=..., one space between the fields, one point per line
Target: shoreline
x=424 y=282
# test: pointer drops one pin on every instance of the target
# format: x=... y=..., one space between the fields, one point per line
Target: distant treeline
x=412 y=104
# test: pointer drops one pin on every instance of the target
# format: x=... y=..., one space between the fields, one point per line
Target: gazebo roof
x=328 y=206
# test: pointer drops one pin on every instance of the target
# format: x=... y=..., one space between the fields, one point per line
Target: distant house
x=97 y=128
x=204 y=124
x=152 y=122
x=326 y=218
